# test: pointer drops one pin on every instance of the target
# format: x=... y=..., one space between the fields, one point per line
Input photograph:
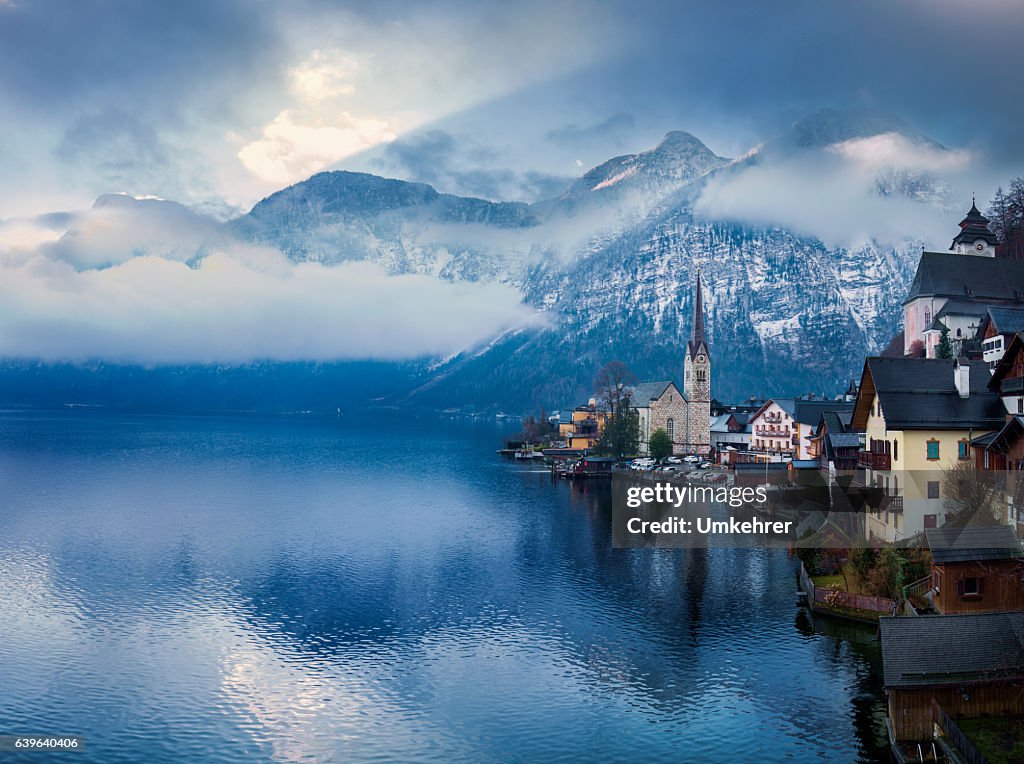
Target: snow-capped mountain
x=805 y=245
x=613 y=259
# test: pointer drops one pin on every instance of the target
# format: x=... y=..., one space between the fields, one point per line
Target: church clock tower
x=697 y=382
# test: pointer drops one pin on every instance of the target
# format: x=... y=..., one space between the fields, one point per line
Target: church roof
x=948 y=274
x=645 y=392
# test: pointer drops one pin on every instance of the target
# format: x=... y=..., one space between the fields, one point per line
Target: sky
x=217 y=103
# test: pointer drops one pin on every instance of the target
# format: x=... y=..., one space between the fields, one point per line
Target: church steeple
x=697 y=332
x=975 y=237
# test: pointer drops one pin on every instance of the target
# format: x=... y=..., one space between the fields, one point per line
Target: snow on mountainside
x=787 y=313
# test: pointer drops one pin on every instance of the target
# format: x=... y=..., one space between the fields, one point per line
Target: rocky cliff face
x=612 y=261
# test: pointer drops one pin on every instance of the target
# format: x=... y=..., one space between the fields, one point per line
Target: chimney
x=962 y=377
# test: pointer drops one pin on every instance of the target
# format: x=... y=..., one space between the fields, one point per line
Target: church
x=684 y=414
x=954 y=291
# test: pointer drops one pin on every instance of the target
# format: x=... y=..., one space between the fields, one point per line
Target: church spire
x=697 y=333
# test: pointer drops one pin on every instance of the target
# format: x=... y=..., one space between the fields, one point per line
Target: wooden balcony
x=872 y=461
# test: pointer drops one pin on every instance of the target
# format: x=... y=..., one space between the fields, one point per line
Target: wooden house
x=976 y=569
x=969 y=665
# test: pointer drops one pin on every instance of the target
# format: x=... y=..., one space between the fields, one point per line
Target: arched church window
x=670 y=426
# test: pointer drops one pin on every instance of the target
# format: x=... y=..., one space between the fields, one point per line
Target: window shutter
x=981 y=585
x=960 y=588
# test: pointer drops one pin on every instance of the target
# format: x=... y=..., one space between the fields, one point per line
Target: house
x=918 y=417
x=785 y=426
x=969 y=665
x=730 y=433
x=660 y=405
x=583 y=427
x=957 y=288
x=1008 y=376
x=772 y=429
x=998 y=327
x=977 y=569
x=834 y=443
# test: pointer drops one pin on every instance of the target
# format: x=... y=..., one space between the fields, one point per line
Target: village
x=921 y=460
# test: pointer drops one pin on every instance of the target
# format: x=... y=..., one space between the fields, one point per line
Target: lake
x=243 y=589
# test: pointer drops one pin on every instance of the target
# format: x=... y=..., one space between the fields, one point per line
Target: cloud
x=461 y=165
x=292 y=149
x=886 y=189
x=228 y=308
x=616 y=130
x=325 y=74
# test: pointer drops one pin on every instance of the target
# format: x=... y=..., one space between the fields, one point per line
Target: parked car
x=691 y=459
x=673 y=460
x=706 y=465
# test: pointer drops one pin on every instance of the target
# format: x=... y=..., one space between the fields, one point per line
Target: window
x=973 y=586
x=931 y=521
x=933 y=450
x=963 y=449
x=1020 y=405
x=933 y=490
x=895 y=450
x=936 y=579
x=670 y=426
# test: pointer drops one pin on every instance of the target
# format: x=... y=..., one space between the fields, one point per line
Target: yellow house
x=584 y=427
x=918 y=417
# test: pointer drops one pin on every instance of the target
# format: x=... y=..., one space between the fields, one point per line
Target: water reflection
x=234 y=591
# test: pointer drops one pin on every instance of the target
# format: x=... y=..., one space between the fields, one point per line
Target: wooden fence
x=819 y=594
x=960 y=741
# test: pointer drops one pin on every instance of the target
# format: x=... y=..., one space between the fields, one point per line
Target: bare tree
x=973 y=496
x=612 y=384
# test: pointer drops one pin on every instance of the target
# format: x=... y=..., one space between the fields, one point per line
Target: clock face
x=979 y=246
x=700 y=359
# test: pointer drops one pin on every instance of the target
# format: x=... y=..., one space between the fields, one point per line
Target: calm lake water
x=203 y=589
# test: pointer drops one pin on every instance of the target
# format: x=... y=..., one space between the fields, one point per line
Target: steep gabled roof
x=947 y=274
x=1006 y=319
x=645 y=392
x=810 y=412
x=951 y=649
x=973 y=544
x=920 y=393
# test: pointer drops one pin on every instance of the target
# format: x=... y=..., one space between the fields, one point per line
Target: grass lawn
x=827 y=581
x=999 y=739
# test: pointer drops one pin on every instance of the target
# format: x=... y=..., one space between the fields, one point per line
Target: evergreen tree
x=660 y=444
x=945 y=348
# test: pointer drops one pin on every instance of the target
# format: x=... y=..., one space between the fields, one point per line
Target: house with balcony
x=784 y=428
x=772 y=430
x=834 y=443
x=583 y=428
x=919 y=417
x=998 y=327
x=1001 y=453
